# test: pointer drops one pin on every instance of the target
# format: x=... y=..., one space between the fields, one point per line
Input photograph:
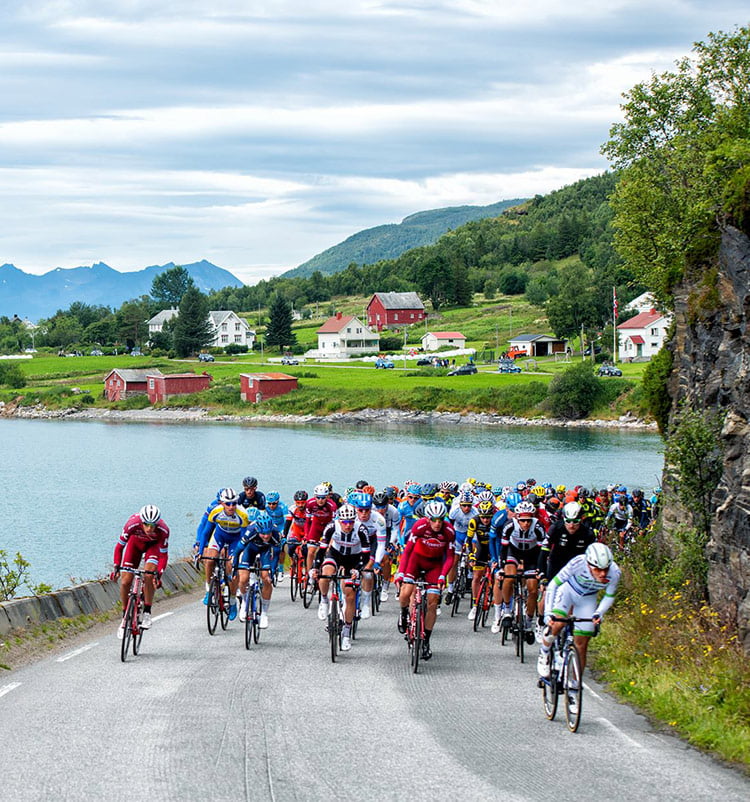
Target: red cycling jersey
x=318 y=517
x=428 y=551
x=134 y=542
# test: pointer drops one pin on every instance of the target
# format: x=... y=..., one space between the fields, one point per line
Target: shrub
x=657 y=398
x=235 y=348
x=575 y=392
x=11 y=375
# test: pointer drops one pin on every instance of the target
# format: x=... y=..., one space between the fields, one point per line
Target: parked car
x=206 y=358
x=424 y=361
x=608 y=370
x=514 y=353
x=383 y=362
x=97 y=352
x=289 y=360
x=136 y=352
x=597 y=350
x=507 y=366
x=463 y=370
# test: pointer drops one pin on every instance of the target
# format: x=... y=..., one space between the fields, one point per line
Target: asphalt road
x=199 y=717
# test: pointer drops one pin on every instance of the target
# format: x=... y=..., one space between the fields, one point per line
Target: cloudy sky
x=139 y=132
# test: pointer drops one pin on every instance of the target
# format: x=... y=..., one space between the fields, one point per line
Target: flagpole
x=614 y=325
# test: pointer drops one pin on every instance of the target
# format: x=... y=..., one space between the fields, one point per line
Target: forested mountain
x=556 y=248
x=34 y=297
x=390 y=241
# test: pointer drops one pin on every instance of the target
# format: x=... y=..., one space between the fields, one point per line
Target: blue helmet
x=512 y=500
x=263 y=522
x=362 y=501
x=272 y=497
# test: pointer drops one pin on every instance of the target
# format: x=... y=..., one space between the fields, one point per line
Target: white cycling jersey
x=575 y=584
x=375 y=525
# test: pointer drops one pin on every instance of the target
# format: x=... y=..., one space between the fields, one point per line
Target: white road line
x=618 y=731
x=76 y=652
x=8 y=688
x=163 y=615
x=592 y=691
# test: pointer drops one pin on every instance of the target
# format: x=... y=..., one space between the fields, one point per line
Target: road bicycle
x=297 y=573
x=311 y=588
x=335 y=622
x=516 y=628
x=377 y=589
x=566 y=675
x=217 y=609
x=484 y=599
x=461 y=583
x=133 y=618
x=252 y=605
x=415 y=628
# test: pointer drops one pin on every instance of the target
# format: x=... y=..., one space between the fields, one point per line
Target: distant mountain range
x=34 y=297
x=390 y=241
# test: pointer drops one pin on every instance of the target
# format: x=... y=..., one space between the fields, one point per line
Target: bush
x=11 y=375
x=391 y=343
x=575 y=392
x=235 y=348
x=655 y=378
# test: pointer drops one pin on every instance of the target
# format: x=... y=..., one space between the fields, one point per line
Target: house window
x=349 y=331
x=654 y=345
x=151 y=384
x=395 y=316
x=412 y=315
x=223 y=326
x=238 y=338
x=654 y=332
x=237 y=326
x=225 y=338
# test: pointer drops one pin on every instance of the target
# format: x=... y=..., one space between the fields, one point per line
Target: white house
x=438 y=339
x=538 y=344
x=642 y=336
x=228 y=327
x=642 y=303
x=343 y=336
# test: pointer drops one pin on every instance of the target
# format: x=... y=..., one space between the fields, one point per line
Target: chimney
x=338 y=315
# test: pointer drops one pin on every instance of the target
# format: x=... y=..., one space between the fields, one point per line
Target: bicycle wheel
x=487 y=604
x=481 y=599
x=416 y=647
x=248 y=619
x=333 y=627
x=256 y=605
x=225 y=596
x=573 y=688
x=138 y=630
x=459 y=586
x=518 y=622
x=128 y=631
x=212 y=608
x=294 y=578
x=549 y=689
x=308 y=591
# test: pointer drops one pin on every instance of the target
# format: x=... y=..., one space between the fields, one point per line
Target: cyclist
x=319 y=512
x=344 y=543
x=410 y=509
x=478 y=538
x=429 y=549
x=374 y=522
x=520 y=546
x=251 y=496
x=641 y=509
x=145 y=534
x=392 y=518
x=279 y=512
x=226 y=525
x=461 y=512
x=574 y=592
x=294 y=526
x=335 y=497
x=262 y=538
x=621 y=515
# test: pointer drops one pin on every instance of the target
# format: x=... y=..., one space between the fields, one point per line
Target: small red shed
x=162 y=388
x=122 y=383
x=257 y=387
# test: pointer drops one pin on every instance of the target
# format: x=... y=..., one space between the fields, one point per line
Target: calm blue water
x=69 y=486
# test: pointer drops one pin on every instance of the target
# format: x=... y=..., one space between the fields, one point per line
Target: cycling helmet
x=453 y=487
x=413 y=490
x=610 y=488
x=429 y=490
x=362 y=501
x=572 y=512
x=320 y=491
x=525 y=509
x=533 y=499
x=263 y=522
x=329 y=486
x=301 y=495
x=249 y=481
x=598 y=555
x=622 y=489
x=346 y=513
x=361 y=484
x=485 y=495
x=512 y=500
x=520 y=487
x=380 y=499
x=547 y=485
x=471 y=481
x=620 y=498
x=369 y=489
x=391 y=492
x=530 y=482
x=538 y=490
x=273 y=497
x=228 y=496
x=583 y=492
x=435 y=509
x=466 y=497
x=497 y=491
x=486 y=508
x=445 y=487
x=657 y=490
x=637 y=493
x=150 y=514
x=553 y=504
x=466 y=487
x=561 y=488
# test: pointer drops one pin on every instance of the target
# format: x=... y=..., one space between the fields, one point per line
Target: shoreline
x=396 y=417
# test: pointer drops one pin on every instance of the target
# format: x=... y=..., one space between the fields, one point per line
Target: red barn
x=394 y=310
x=122 y=383
x=257 y=387
x=162 y=388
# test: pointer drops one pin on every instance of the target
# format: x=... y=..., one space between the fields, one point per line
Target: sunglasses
x=229 y=503
x=436 y=519
x=572 y=520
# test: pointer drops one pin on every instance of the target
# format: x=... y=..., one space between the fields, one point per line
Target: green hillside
x=391 y=240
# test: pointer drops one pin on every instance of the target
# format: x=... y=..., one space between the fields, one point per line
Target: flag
x=614 y=302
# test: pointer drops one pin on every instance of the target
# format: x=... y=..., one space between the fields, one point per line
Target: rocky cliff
x=711 y=349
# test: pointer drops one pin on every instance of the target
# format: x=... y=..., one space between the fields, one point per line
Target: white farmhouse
x=156 y=324
x=438 y=339
x=641 y=337
x=344 y=336
x=228 y=327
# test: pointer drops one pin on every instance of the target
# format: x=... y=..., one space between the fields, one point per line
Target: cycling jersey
x=478 y=536
x=252 y=544
x=354 y=542
x=375 y=525
x=460 y=520
x=560 y=547
x=278 y=514
x=392 y=520
x=427 y=550
x=135 y=542
x=295 y=524
x=622 y=516
x=225 y=528
x=257 y=500
x=518 y=546
x=411 y=512
x=318 y=516
x=499 y=521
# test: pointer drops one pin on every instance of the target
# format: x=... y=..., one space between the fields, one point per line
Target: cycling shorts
x=219 y=539
x=136 y=549
x=569 y=602
x=349 y=562
x=529 y=557
x=251 y=551
x=432 y=569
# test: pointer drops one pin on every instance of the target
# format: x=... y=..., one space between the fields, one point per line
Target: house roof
x=269 y=376
x=160 y=318
x=637 y=339
x=170 y=376
x=446 y=335
x=399 y=300
x=642 y=320
x=133 y=375
x=335 y=324
x=220 y=315
x=525 y=338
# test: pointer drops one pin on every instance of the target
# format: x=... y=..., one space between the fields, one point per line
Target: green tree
x=132 y=320
x=684 y=148
x=572 y=308
x=168 y=287
x=11 y=375
x=574 y=393
x=192 y=327
x=279 y=330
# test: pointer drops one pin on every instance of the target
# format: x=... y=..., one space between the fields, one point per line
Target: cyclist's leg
x=131 y=558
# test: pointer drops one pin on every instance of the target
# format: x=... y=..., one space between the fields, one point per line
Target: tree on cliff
x=279 y=330
x=192 y=328
x=684 y=151
x=168 y=287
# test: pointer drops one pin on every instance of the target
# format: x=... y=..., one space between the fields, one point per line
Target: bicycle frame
x=133 y=613
x=415 y=630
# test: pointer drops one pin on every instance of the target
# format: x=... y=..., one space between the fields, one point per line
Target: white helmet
x=525 y=508
x=228 y=496
x=572 y=512
x=598 y=555
x=150 y=514
x=347 y=513
x=321 y=491
x=435 y=509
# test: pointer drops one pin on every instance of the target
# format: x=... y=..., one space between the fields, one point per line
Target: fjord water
x=69 y=486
